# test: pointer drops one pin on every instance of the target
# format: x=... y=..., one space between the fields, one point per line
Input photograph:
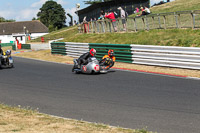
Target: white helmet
x=8 y=52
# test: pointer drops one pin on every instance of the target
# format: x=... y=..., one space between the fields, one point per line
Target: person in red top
x=142 y=12
x=111 y=15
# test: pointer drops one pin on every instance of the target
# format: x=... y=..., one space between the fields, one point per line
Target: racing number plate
x=84 y=68
x=96 y=67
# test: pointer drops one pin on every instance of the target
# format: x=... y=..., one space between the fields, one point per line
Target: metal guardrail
x=6 y=44
x=76 y=49
x=170 y=20
x=58 y=48
x=26 y=46
x=122 y=51
x=168 y=56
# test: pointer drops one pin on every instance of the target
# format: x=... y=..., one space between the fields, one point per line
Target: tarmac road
x=120 y=98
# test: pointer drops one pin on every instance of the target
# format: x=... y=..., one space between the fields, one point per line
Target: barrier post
x=19 y=46
x=42 y=39
x=86 y=27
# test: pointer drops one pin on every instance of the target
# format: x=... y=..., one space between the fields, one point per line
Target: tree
x=34 y=18
x=4 y=20
x=52 y=15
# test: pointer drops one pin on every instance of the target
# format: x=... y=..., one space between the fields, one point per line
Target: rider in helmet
x=1 y=51
x=83 y=59
x=109 y=59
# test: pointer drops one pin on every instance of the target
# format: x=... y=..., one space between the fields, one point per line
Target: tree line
x=5 y=20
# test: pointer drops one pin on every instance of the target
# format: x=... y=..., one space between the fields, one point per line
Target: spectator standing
x=147 y=11
x=142 y=11
x=136 y=10
x=102 y=14
x=111 y=15
x=75 y=22
x=123 y=17
x=1 y=51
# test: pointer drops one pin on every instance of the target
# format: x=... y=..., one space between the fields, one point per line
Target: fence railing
x=168 y=56
x=170 y=20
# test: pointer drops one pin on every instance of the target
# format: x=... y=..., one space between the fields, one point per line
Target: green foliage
x=52 y=14
x=4 y=20
x=51 y=28
x=35 y=18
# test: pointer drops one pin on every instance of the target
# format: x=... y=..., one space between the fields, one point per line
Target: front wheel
x=77 y=72
x=11 y=66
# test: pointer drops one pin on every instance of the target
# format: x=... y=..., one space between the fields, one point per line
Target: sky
x=25 y=10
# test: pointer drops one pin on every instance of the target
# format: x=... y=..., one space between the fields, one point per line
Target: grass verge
x=17 y=119
x=170 y=37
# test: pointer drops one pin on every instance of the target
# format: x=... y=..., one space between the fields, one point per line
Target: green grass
x=63 y=33
x=174 y=6
x=172 y=37
x=15 y=119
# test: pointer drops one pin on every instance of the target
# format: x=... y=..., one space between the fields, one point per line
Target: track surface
x=119 y=98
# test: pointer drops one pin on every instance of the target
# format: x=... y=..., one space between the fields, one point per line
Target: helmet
x=93 y=52
x=8 y=52
x=111 y=53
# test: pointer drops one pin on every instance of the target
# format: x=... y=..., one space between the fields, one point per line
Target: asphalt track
x=120 y=98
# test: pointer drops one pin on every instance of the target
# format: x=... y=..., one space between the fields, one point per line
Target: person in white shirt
x=123 y=17
x=147 y=10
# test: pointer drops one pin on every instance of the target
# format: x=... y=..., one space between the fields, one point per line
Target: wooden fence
x=170 y=20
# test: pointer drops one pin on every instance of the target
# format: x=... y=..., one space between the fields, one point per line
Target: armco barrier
x=5 y=44
x=26 y=46
x=122 y=51
x=8 y=44
x=23 y=46
x=58 y=48
x=76 y=49
x=168 y=56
